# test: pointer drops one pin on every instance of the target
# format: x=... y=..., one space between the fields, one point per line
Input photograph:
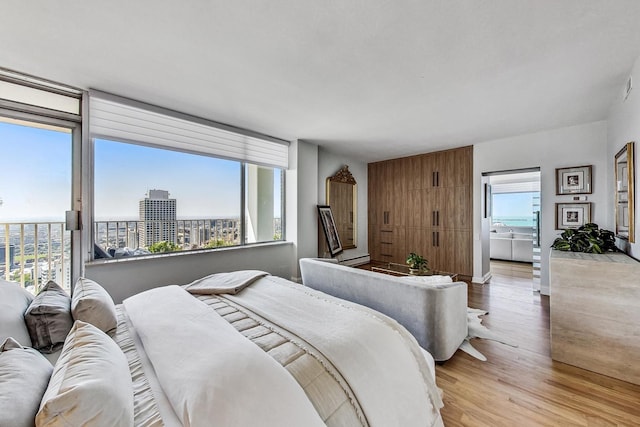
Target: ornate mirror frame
x=624 y=194
x=342 y=196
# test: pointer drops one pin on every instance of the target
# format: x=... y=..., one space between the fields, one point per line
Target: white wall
x=125 y=277
x=623 y=126
x=302 y=198
x=328 y=164
x=571 y=146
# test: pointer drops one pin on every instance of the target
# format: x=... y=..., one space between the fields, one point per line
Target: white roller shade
x=119 y=119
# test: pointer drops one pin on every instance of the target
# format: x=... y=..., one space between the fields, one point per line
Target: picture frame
x=573 y=180
x=325 y=216
x=572 y=215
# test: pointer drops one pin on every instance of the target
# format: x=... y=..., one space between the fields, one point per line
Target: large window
x=165 y=181
x=154 y=200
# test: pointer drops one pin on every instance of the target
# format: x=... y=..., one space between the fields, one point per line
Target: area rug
x=478 y=330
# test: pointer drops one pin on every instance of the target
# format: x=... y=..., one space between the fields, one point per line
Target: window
x=513 y=209
x=165 y=182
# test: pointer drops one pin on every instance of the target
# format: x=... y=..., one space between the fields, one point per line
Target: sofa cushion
x=507 y=235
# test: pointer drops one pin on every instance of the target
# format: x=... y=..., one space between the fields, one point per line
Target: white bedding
x=208 y=371
x=204 y=372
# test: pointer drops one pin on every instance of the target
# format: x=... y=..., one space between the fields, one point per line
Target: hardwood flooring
x=523 y=386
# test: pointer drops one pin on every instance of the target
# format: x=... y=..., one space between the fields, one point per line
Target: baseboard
x=359 y=260
x=482 y=280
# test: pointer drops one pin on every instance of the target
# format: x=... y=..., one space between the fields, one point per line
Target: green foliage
x=163 y=246
x=216 y=243
x=417 y=262
x=587 y=238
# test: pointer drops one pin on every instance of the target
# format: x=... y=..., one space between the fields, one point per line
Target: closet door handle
x=438 y=238
x=433 y=238
x=438 y=218
x=438 y=179
x=433 y=179
x=433 y=218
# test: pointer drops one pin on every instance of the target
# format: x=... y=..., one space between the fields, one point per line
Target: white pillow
x=91 y=303
x=91 y=383
x=14 y=301
x=24 y=374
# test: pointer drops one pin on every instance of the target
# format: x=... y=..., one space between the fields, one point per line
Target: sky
x=509 y=205
x=38 y=165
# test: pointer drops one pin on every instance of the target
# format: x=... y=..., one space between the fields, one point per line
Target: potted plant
x=417 y=264
x=587 y=238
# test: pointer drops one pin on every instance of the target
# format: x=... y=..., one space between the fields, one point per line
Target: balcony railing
x=187 y=234
x=32 y=253
x=35 y=252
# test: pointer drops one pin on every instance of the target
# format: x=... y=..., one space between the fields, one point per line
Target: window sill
x=187 y=253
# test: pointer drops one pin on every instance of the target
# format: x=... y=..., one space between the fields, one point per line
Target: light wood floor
x=523 y=386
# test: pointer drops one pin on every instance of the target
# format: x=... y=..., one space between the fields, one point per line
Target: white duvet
x=214 y=376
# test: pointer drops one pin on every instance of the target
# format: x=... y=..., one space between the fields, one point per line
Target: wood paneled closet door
x=423 y=204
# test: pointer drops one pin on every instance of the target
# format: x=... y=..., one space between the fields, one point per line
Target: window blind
x=120 y=119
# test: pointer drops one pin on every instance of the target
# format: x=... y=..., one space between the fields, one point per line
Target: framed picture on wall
x=330 y=231
x=574 y=180
x=572 y=215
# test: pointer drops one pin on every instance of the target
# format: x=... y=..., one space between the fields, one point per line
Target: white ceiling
x=371 y=79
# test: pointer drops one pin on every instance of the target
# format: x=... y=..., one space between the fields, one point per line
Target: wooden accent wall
x=423 y=204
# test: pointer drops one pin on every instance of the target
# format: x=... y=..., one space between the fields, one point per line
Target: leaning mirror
x=625 y=219
x=342 y=195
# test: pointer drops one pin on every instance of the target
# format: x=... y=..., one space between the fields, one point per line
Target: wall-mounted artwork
x=574 y=180
x=572 y=215
x=330 y=230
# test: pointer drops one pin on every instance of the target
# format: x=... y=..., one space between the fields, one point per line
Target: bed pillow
x=24 y=374
x=14 y=301
x=91 y=303
x=91 y=383
x=48 y=318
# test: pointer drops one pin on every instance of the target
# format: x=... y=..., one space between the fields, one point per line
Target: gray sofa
x=511 y=244
x=436 y=314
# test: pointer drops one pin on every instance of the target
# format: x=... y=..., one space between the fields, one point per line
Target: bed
x=231 y=349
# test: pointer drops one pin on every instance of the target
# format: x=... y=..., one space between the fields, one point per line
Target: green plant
x=163 y=246
x=587 y=238
x=417 y=262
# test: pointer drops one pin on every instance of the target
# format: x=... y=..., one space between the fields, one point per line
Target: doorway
x=514 y=224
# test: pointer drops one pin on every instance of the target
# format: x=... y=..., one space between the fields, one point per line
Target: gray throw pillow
x=14 y=301
x=48 y=318
x=24 y=375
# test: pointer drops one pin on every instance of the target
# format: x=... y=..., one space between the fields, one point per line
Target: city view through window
x=146 y=200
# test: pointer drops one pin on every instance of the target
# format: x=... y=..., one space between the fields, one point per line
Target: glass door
x=40 y=184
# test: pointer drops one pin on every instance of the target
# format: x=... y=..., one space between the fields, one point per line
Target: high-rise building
x=157 y=219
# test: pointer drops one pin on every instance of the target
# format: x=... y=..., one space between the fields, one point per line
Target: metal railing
x=32 y=253
x=185 y=234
